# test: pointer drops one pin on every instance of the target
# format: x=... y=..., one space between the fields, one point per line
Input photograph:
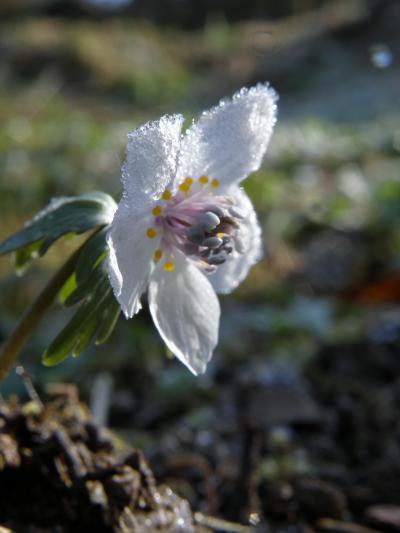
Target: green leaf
x=62 y=216
x=87 y=287
x=92 y=255
x=85 y=335
x=97 y=311
x=111 y=313
x=24 y=255
x=81 y=328
x=68 y=288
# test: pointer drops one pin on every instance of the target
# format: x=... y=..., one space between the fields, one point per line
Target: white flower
x=184 y=230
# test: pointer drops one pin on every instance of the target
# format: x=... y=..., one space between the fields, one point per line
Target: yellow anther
x=166 y=195
x=203 y=180
x=215 y=182
x=169 y=266
x=220 y=234
x=189 y=181
x=158 y=255
x=184 y=187
x=151 y=233
x=156 y=211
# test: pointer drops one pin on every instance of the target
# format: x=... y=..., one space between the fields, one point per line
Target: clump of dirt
x=60 y=473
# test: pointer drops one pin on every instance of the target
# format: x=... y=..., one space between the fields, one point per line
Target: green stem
x=13 y=345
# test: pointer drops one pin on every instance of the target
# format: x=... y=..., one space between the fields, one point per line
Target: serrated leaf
x=62 y=216
x=79 y=331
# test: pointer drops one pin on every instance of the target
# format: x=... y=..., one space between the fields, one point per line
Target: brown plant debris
x=60 y=473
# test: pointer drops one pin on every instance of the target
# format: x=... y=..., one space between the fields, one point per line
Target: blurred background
x=299 y=410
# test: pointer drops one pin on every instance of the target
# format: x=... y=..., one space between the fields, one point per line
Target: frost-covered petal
x=185 y=310
x=229 y=275
x=151 y=158
x=229 y=141
x=130 y=256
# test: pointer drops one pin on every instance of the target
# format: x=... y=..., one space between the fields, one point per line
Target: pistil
x=197 y=222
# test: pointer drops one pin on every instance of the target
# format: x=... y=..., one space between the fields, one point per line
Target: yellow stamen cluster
x=169 y=266
x=151 y=233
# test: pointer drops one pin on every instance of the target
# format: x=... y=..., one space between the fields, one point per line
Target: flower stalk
x=13 y=345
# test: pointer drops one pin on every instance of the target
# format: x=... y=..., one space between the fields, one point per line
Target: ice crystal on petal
x=151 y=158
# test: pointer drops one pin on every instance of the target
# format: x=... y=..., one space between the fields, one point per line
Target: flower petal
x=130 y=256
x=151 y=158
x=229 y=141
x=185 y=310
x=230 y=274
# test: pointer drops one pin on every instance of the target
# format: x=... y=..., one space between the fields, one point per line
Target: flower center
x=198 y=222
